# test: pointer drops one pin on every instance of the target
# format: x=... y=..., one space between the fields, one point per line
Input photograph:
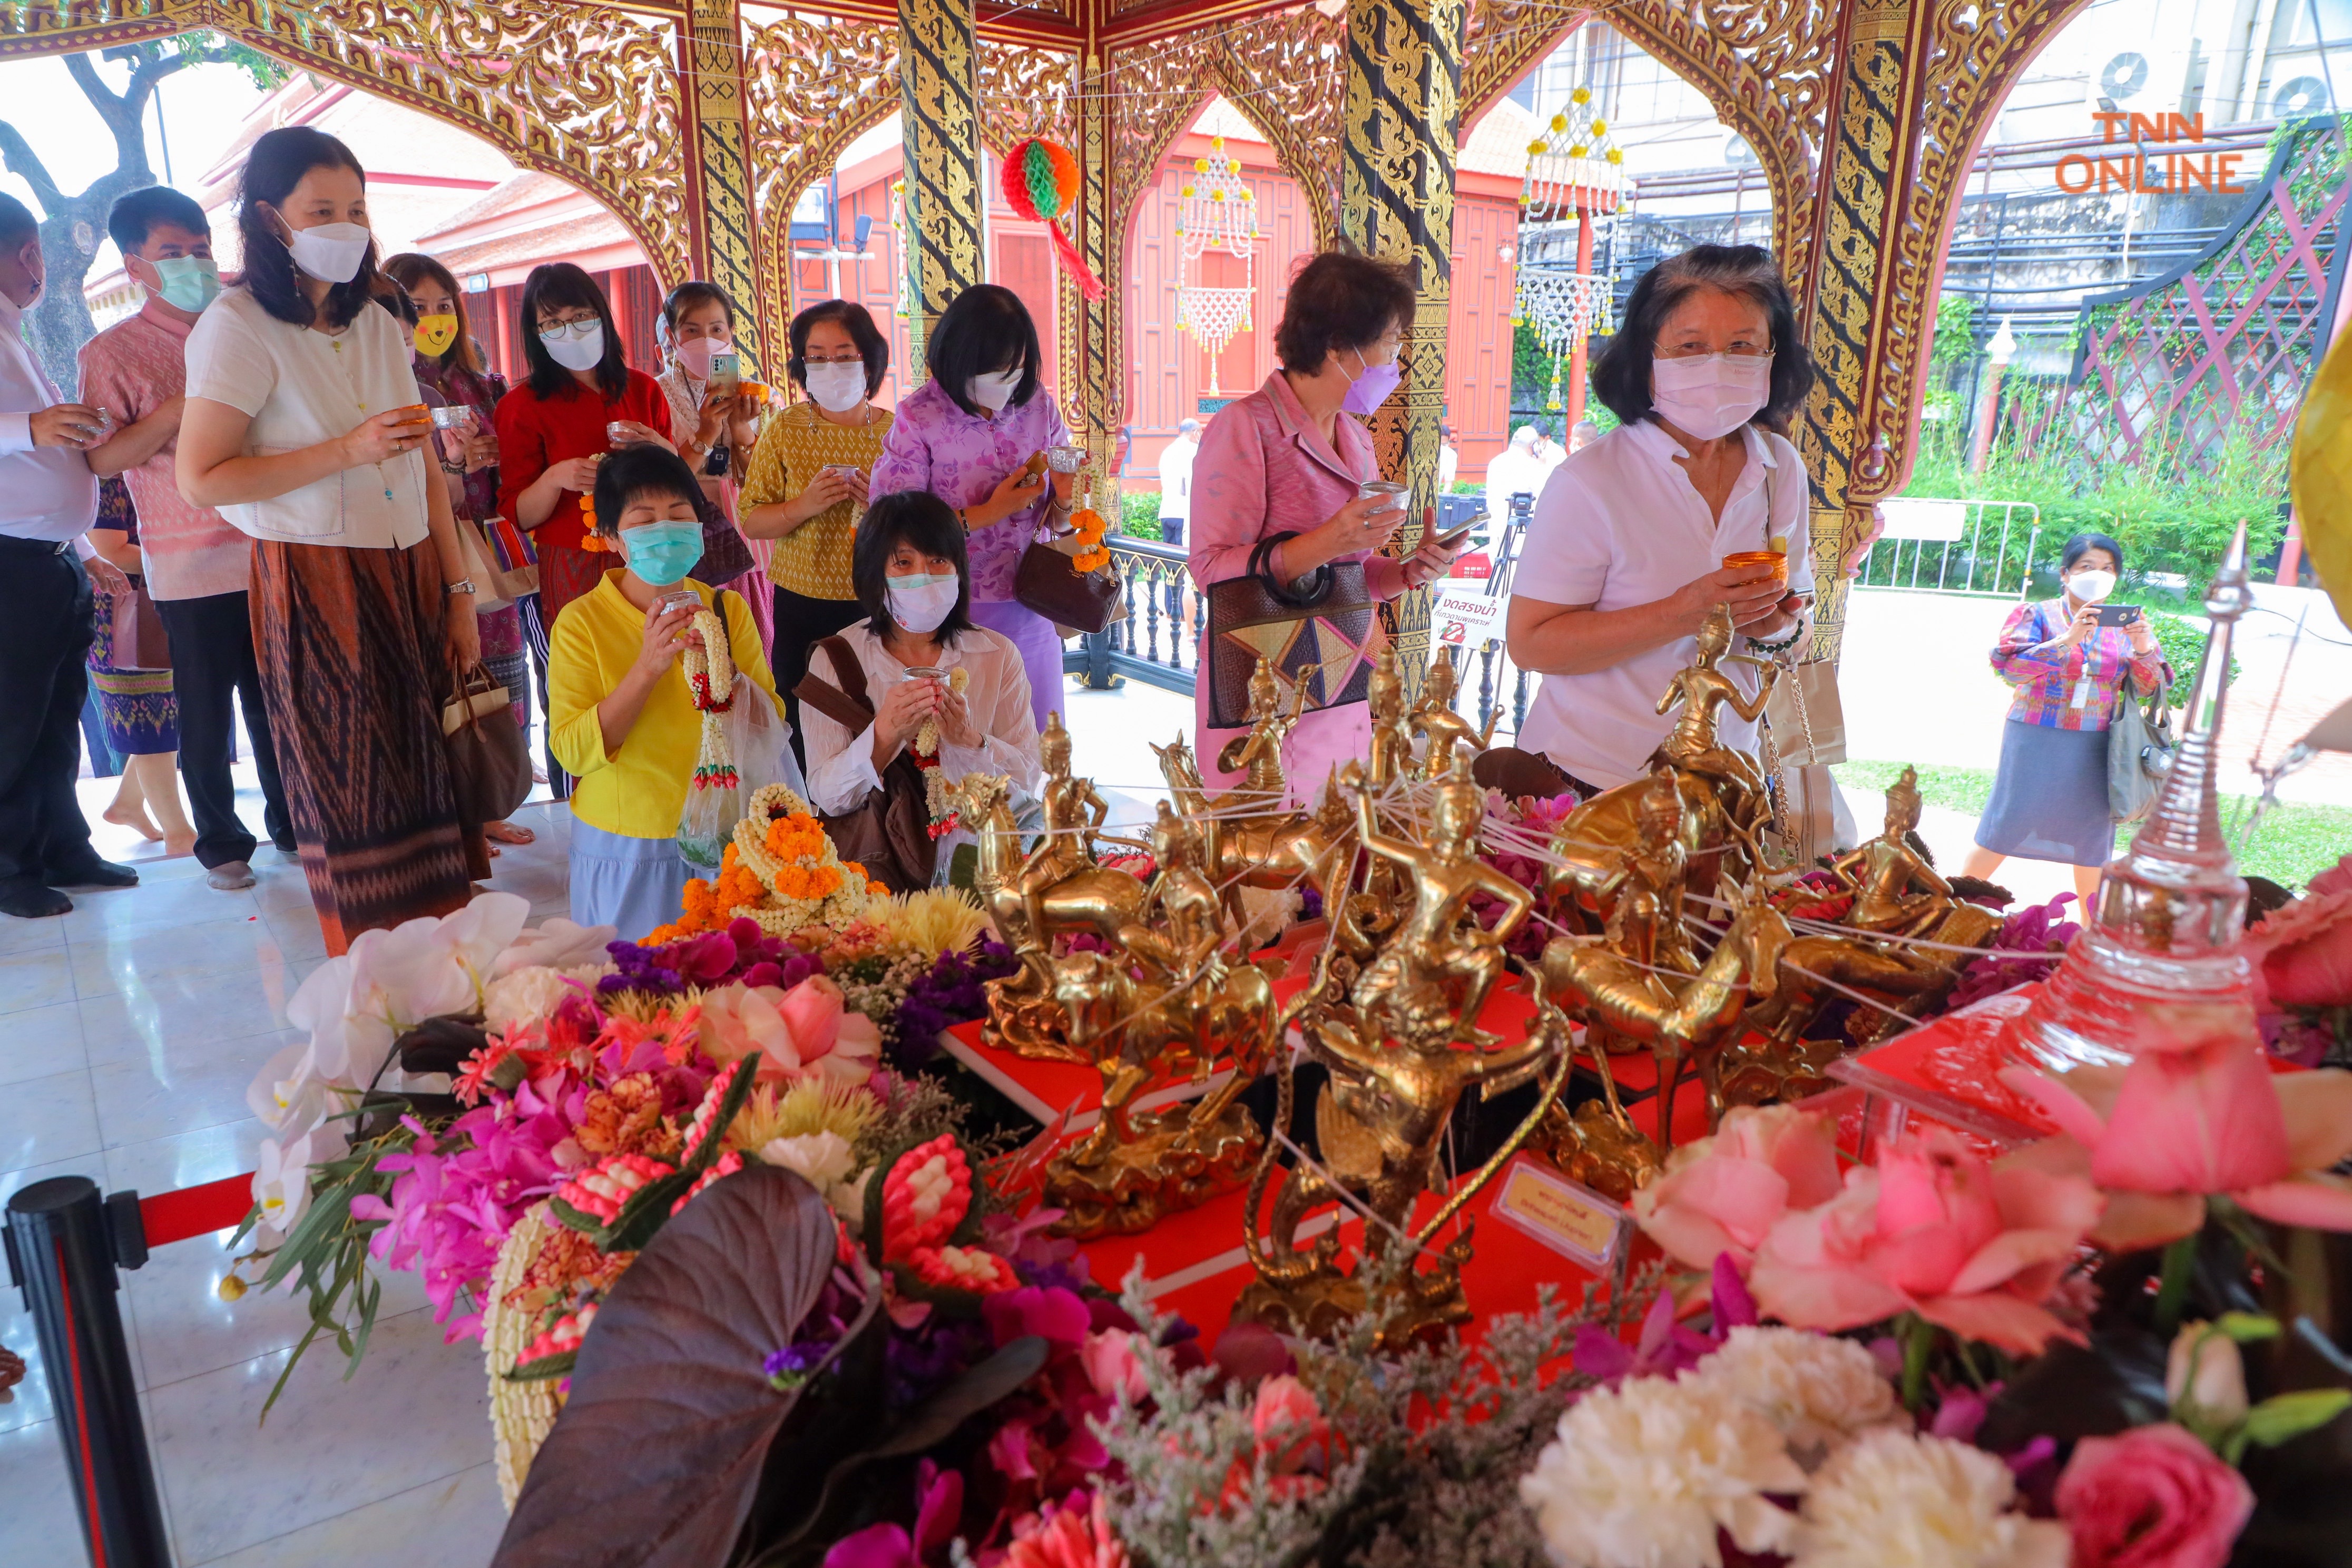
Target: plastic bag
x=746 y=746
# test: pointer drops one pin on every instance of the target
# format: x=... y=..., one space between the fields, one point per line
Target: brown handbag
x=139 y=642
x=889 y=831
x=1324 y=628
x=489 y=760
x=1050 y=584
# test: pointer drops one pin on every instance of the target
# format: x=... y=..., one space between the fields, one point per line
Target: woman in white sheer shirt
x=913 y=582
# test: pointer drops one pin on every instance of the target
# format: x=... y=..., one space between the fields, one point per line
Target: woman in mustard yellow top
x=622 y=721
x=806 y=485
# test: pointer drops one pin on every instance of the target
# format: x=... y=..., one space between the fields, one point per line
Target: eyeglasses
x=556 y=332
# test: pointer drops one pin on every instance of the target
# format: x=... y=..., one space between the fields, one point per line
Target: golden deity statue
x=1723 y=796
x=1055 y=890
x=1257 y=754
x=1163 y=1008
x=1252 y=836
x=1448 y=731
x=1392 y=757
x=1399 y=1067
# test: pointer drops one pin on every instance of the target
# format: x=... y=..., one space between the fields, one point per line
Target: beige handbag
x=1807 y=717
x=482 y=569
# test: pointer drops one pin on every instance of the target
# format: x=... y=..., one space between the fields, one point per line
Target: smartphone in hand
x=726 y=375
x=2118 y=614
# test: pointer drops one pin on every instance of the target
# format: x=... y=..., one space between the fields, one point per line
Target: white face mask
x=330 y=252
x=992 y=391
x=1710 y=396
x=921 y=600
x=693 y=358
x=839 y=387
x=2091 y=585
x=576 y=354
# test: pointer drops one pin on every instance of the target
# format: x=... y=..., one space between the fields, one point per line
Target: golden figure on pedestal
x=1396 y=1053
x=1447 y=731
x=1162 y=1007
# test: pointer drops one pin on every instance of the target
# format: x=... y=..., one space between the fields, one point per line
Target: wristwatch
x=462 y=585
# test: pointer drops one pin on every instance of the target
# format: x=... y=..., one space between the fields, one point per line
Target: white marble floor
x=128 y=1031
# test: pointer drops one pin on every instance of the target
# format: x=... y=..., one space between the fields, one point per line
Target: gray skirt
x=2050 y=798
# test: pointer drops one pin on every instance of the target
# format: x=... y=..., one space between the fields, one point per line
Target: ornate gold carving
x=1025 y=92
x=1501 y=39
x=811 y=87
x=724 y=174
x=938 y=77
x=588 y=92
x=1151 y=110
x=1287 y=72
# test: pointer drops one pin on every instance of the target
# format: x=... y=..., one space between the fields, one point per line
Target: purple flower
x=951 y=993
x=2030 y=941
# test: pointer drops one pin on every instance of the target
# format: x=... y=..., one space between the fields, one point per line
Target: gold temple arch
x=699 y=125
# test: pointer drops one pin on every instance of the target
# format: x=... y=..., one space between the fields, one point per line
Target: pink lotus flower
x=1934 y=1230
x=800 y=1032
x=2198 y=1112
x=2153 y=1498
x=1723 y=1194
x=1077 y=1534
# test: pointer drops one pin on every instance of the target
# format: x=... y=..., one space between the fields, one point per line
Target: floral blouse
x=2070 y=688
x=933 y=445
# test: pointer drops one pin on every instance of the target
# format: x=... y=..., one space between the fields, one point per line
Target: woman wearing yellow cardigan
x=623 y=721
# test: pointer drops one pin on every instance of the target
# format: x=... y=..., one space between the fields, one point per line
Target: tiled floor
x=128 y=1032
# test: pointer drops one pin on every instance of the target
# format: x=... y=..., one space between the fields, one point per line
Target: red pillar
x=1576 y=355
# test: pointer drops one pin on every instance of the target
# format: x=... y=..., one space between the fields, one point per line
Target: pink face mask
x=694 y=357
x=1370 y=389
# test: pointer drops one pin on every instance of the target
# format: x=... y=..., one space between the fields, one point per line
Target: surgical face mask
x=189 y=282
x=573 y=349
x=2091 y=585
x=840 y=388
x=992 y=391
x=921 y=600
x=662 y=553
x=435 y=334
x=694 y=358
x=330 y=252
x=1371 y=388
x=1710 y=396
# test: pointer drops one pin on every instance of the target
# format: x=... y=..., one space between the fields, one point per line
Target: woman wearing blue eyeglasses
x=580 y=401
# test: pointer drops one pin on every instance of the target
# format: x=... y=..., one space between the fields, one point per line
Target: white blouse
x=841 y=765
x=1620 y=524
x=300 y=388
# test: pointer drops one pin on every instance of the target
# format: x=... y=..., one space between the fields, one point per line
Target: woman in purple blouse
x=965 y=436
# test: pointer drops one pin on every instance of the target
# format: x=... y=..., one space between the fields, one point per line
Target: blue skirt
x=634 y=884
x=2050 y=798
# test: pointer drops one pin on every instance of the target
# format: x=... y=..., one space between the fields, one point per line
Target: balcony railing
x=1158 y=639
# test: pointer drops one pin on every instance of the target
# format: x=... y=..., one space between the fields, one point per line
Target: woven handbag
x=1327 y=619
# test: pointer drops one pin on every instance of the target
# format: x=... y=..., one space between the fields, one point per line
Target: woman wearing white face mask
x=304 y=425
x=806 y=486
x=871 y=689
x=715 y=433
x=967 y=436
x=1623 y=560
x=2049 y=798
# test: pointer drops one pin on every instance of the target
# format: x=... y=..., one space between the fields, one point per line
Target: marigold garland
x=783 y=875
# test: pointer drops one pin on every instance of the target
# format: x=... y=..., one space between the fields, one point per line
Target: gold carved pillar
x=1092 y=390
x=939 y=90
x=711 y=56
x=1402 y=124
x=1860 y=280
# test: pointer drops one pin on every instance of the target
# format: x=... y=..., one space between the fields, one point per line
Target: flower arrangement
x=1087 y=525
x=780 y=872
x=939 y=793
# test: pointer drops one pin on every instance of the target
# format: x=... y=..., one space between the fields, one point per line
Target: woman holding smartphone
x=715 y=422
x=2070 y=665
x=306 y=429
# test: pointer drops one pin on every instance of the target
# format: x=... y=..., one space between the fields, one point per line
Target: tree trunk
x=60 y=322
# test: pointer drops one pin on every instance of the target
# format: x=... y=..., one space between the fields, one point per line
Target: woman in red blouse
x=554 y=428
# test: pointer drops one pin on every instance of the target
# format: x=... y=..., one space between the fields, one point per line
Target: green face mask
x=189 y=283
x=663 y=553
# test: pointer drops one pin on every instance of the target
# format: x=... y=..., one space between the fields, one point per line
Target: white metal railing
x=1974 y=545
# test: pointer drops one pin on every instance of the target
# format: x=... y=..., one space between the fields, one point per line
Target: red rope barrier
x=196 y=1211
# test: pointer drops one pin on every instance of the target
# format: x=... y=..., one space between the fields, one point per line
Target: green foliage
x=1955 y=328
x=1138 y=515
x=212 y=49
x=2183 y=642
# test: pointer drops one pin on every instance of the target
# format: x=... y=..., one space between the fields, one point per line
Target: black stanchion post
x=64 y=1244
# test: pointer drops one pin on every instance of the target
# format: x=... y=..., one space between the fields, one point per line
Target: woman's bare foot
x=135 y=817
x=175 y=846
x=508 y=833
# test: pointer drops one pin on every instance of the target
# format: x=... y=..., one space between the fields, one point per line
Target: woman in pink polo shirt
x=1287 y=460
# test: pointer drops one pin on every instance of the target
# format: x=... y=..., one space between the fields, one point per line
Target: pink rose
x=801 y=1033
x=2153 y=1498
x=1723 y=1194
x=1933 y=1229
x=1112 y=1364
x=2302 y=954
x=2198 y=1112
x=1284 y=1402
x=1077 y=1534
x=2336 y=878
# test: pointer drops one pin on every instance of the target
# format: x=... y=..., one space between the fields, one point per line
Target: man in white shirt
x=1449 y=460
x=48 y=499
x=1515 y=470
x=1176 y=481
